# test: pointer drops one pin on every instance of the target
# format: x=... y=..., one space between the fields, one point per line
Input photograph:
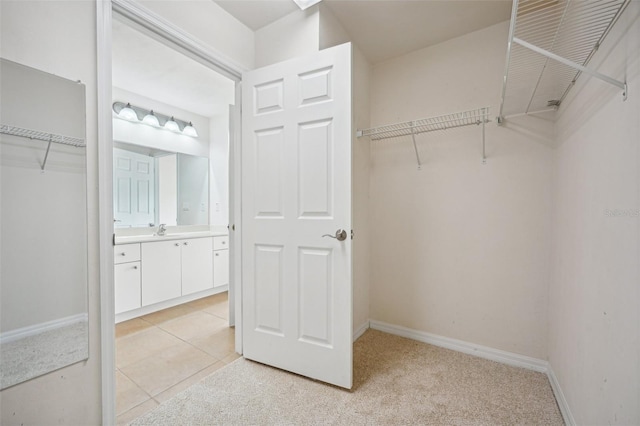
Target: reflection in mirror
x=43 y=226
x=152 y=186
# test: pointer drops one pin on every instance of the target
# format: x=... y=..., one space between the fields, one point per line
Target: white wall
x=296 y=34
x=44 y=233
x=59 y=37
x=460 y=249
x=140 y=134
x=361 y=213
x=209 y=23
x=594 y=300
x=219 y=170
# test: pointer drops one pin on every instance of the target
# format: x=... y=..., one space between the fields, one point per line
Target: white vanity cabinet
x=127 y=277
x=220 y=261
x=197 y=265
x=175 y=268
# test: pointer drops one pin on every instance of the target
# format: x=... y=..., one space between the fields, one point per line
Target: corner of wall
x=295 y=34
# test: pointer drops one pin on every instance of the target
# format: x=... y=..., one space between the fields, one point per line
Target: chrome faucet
x=161 y=229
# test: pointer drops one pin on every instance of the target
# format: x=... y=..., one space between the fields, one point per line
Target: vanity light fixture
x=305 y=4
x=130 y=112
x=189 y=130
x=172 y=125
x=151 y=119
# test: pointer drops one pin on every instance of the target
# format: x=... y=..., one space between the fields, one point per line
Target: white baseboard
x=32 y=330
x=492 y=354
x=486 y=352
x=562 y=401
x=145 y=310
x=360 y=330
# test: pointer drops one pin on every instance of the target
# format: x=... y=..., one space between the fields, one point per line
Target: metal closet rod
x=479 y=116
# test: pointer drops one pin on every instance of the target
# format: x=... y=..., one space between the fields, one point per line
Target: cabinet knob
x=123 y=254
x=217 y=254
x=177 y=244
x=186 y=243
x=224 y=242
x=135 y=267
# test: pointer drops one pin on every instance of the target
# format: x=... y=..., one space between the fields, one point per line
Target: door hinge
x=352 y=234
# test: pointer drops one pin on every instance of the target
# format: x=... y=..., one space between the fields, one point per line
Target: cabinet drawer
x=221 y=243
x=126 y=253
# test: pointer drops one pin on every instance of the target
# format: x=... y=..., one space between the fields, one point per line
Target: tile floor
x=160 y=354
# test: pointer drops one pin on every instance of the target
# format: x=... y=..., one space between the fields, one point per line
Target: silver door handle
x=341 y=235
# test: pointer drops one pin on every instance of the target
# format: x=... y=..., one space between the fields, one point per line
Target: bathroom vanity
x=157 y=272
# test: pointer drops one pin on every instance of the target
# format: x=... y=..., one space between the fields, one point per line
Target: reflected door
x=134 y=188
x=296 y=187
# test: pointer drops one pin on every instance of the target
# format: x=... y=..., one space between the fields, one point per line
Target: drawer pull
x=217 y=254
x=224 y=242
x=135 y=266
x=177 y=244
x=186 y=243
x=123 y=254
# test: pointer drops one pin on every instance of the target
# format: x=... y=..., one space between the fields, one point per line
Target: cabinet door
x=220 y=268
x=160 y=271
x=127 y=286
x=197 y=265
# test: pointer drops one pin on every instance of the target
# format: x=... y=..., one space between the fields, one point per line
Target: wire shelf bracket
x=550 y=44
x=479 y=116
x=42 y=136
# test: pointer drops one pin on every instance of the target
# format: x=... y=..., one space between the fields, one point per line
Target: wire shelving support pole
x=46 y=155
x=415 y=146
x=484 y=120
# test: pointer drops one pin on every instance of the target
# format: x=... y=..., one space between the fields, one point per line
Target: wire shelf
x=42 y=136
x=550 y=44
x=415 y=127
x=432 y=124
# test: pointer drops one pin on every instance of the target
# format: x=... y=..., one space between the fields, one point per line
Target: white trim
x=124 y=316
x=158 y=27
x=358 y=332
x=485 y=352
x=105 y=212
x=161 y=29
x=235 y=213
x=32 y=330
x=560 y=399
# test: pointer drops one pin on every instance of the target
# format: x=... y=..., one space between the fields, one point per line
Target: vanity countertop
x=130 y=236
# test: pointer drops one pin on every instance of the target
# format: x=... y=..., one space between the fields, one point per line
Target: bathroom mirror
x=43 y=224
x=153 y=186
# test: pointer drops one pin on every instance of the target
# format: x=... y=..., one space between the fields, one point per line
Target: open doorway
x=171 y=216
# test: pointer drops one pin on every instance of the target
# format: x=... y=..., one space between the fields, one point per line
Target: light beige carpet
x=396 y=381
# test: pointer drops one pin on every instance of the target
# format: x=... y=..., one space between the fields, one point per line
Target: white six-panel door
x=296 y=187
x=134 y=188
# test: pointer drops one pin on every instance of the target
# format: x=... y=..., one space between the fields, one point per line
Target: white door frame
x=164 y=31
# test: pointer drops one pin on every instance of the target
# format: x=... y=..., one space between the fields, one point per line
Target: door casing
x=164 y=31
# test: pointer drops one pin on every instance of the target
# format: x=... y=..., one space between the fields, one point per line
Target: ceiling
x=382 y=29
x=149 y=68
x=385 y=29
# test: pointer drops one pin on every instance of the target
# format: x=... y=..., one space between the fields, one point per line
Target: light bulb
x=172 y=125
x=189 y=130
x=128 y=113
x=151 y=119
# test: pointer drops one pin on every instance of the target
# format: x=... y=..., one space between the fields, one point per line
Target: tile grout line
x=215 y=359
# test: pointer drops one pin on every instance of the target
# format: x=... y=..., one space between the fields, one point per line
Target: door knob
x=341 y=235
